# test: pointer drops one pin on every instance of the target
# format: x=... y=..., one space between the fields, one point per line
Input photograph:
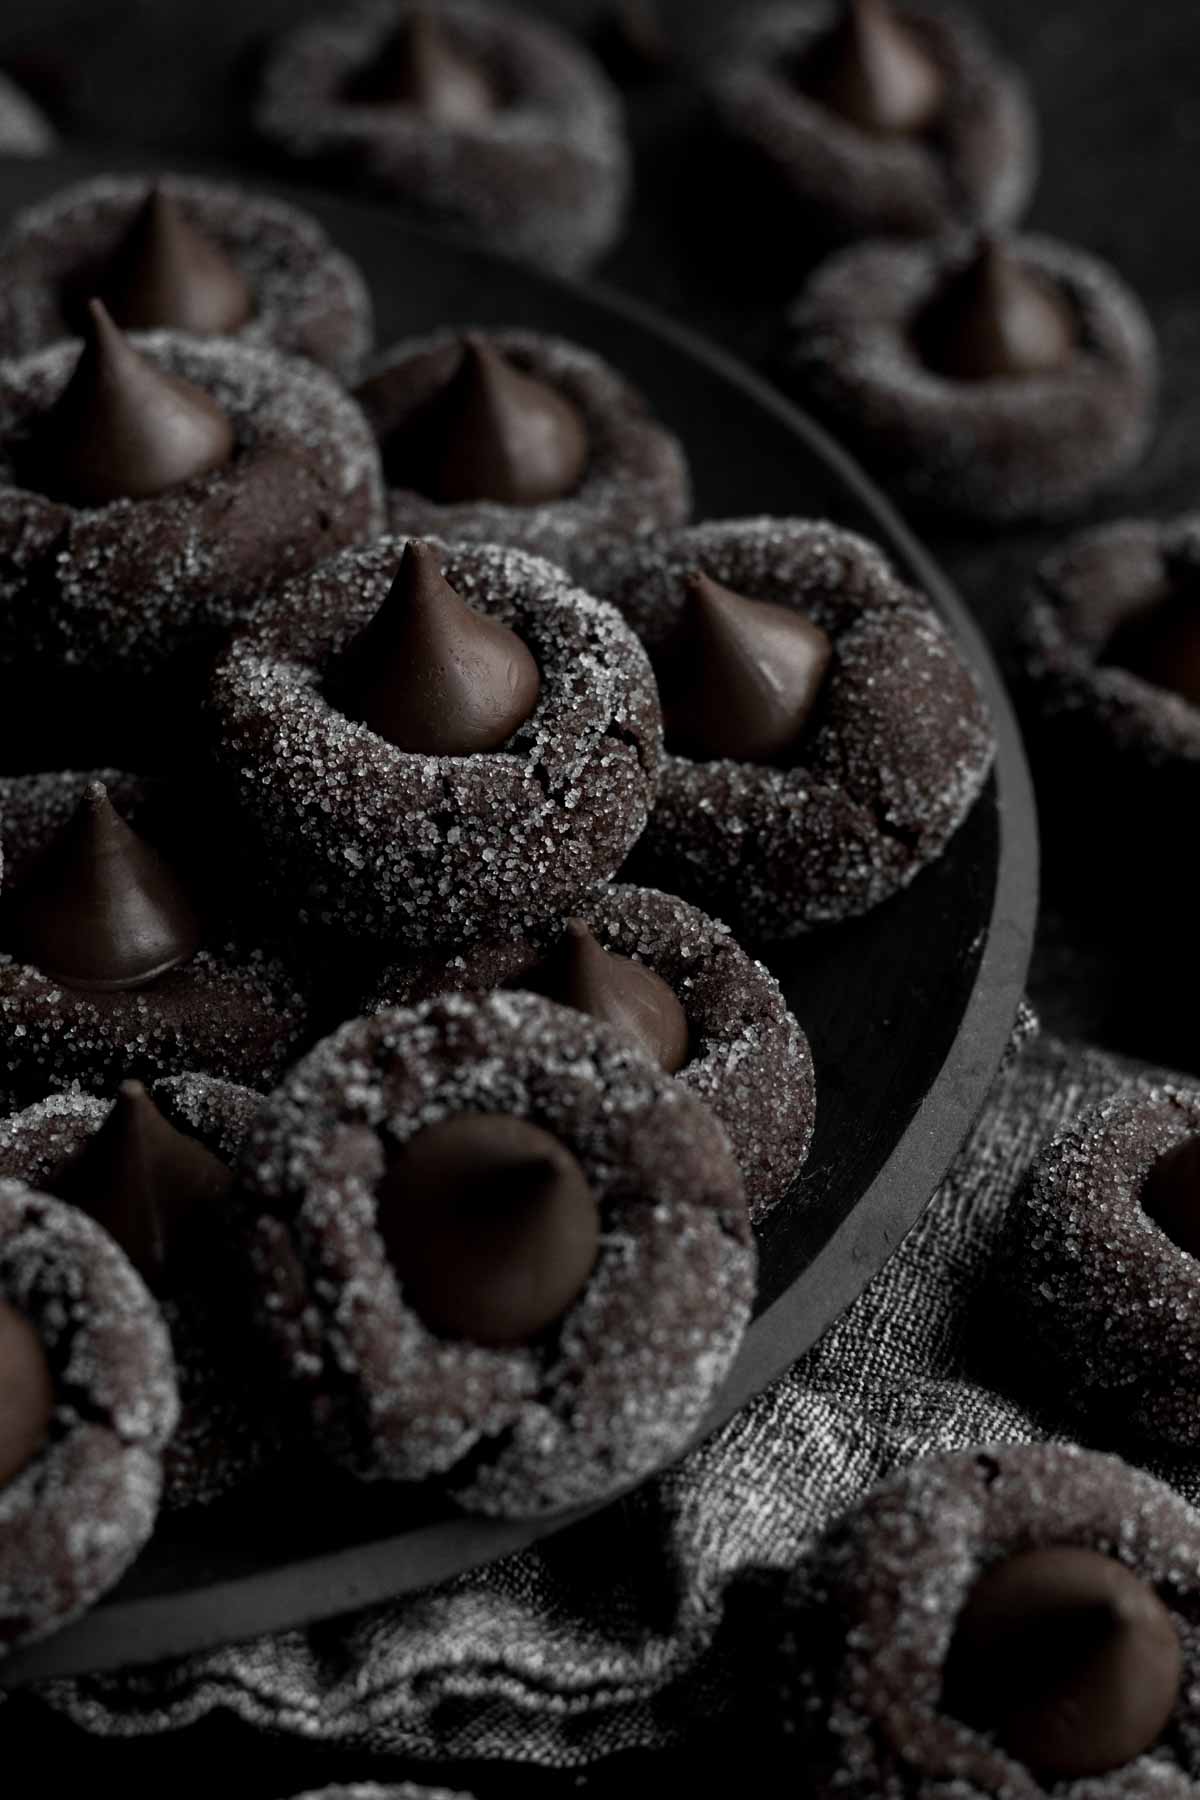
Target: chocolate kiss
x=166 y=273
x=1162 y=645
x=739 y=677
x=123 y=428
x=994 y=318
x=26 y=1393
x=491 y=1227
x=150 y=1186
x=492 y=433
x=1070 y=1660
x=1171 y=1195
x=418 y=67
x=874 y=71
x=430 y=674
x=100 y=910
x=579 y=972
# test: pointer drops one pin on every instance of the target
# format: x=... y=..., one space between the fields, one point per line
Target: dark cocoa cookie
x=184 y=255
x=114 y=964
x=125 y=584
x=418 y=846
x=893 y=751
x=173 y=1214
x=24 y=129
x=370 y=1790
x=746 y=1055
x=1018 y=1621
x=889 y=122
x=995 y=382
x=90 y=1403
x=475 y=117
x=1099 y=1266
x=452 y=426
x=638 y=1332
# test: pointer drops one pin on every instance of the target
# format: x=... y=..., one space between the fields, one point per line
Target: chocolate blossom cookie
x=436 y=746
x=182 y=255
x=471 y=116
x=824 y=739
x=677 y=983
x=1103 y=1262
x=998 y=381
x=495 y=1242
x=89 y=1403
x=154 y=1168
x=865 y=120
x=151 y=487
x=1004 y=1624
x=509 y=437
x=115 y=963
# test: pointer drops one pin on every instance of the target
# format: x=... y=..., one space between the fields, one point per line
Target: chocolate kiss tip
x=1068 y=1658
x=418 y=66
x=432 y=675
x=494 y=433
x=579 y=972
x=100 y=910
x=740 y=677
x=166 y=272
x=147 y=1183
x=992 y=317
x=491 y=1227
x=123 y=428
x=873 y=70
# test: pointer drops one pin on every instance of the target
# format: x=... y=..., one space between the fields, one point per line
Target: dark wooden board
x=908 y=1010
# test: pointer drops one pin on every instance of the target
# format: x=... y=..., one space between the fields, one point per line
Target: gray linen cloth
x=623 y=1632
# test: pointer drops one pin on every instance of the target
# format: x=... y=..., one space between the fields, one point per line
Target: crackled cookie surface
x=184 y=255
x=154 y=1169
x=867 y=770
x=424 y=843
x=474 y=117
x=583 y=1384
x=997 y=381
x=888 y=121
x=1013 y=1622
x=90 y=1381
x=510 y=437
x=742 y=1051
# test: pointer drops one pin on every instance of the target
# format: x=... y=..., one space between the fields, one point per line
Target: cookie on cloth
x=1014 y=1621
x=436 y=745
x=678 y=983
x=824 y=739
x=115 y=962
x=89 y=1404
x=869 y=120
x=473 y=116
x=181 y=254
x=154 y=1168
x=150 y=488
x=496 y=1243
x=511 y=437
x=1102 y=1263
x=993 y=380
x=24 y=128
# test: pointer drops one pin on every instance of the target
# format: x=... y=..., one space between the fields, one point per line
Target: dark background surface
x=1117 y=86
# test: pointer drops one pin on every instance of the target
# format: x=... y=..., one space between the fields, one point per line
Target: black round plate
x=908 y=1010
